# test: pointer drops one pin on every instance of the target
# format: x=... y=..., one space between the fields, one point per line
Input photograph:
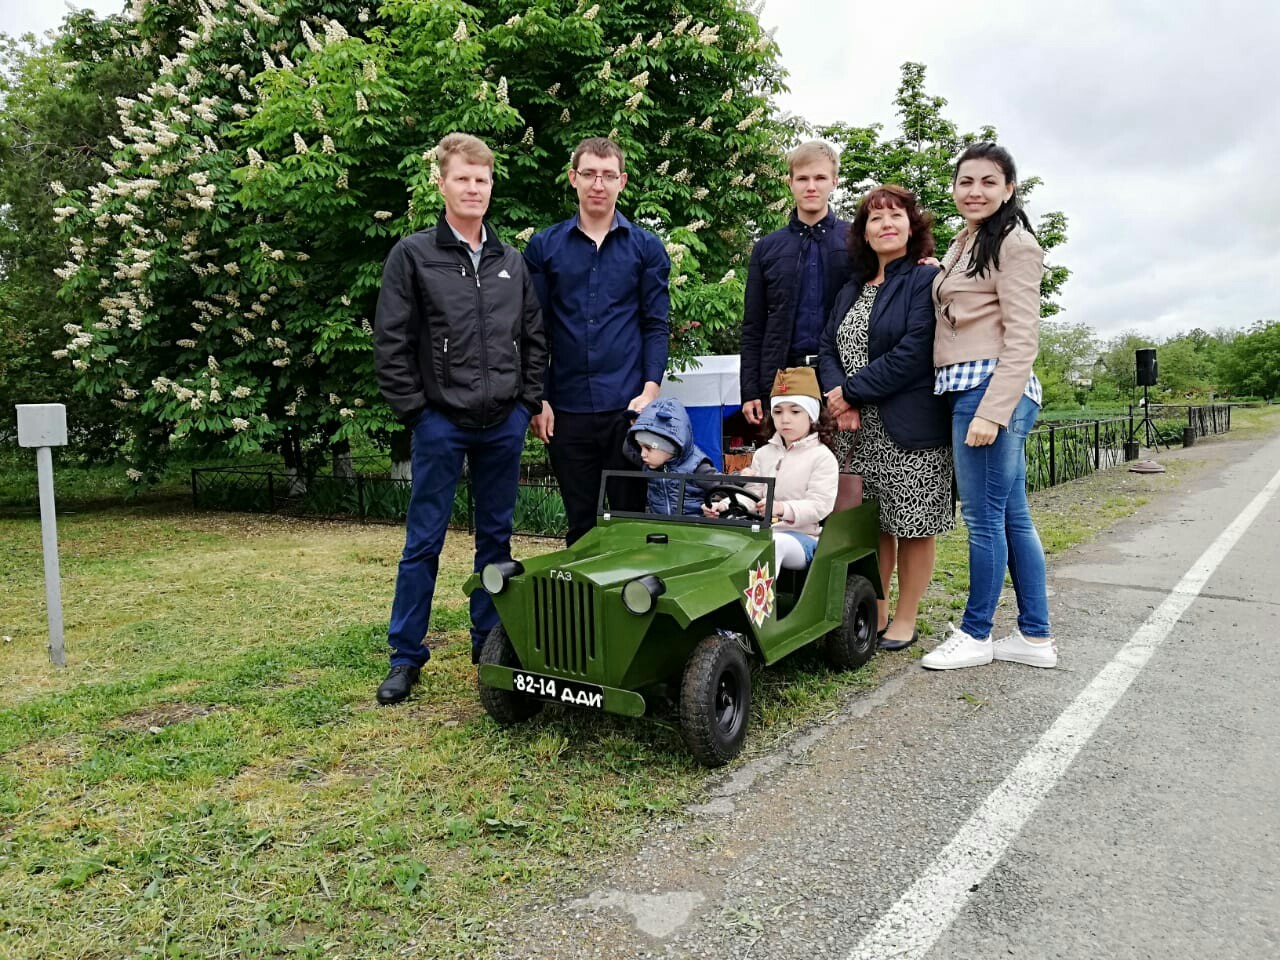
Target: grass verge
x=210 y=778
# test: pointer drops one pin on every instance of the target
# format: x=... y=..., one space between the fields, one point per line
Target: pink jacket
x=806 y=476
x=995 y=315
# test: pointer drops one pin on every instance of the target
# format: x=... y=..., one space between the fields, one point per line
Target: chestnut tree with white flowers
x=226 y=265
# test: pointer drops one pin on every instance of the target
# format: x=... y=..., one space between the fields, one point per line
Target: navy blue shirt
x=605 y=313
x=810 y=315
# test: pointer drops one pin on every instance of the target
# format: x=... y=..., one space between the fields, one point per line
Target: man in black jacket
x=460 y=353
x=793 y=278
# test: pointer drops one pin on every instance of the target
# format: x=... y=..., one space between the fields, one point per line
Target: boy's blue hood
x=667 y=418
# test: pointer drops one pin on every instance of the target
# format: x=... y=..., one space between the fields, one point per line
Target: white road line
x=911 y=927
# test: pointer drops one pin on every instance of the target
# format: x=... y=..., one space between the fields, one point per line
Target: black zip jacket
x=468 y=343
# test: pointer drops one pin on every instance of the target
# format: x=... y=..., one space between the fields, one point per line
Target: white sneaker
x=959 y=650
x=1017 y=649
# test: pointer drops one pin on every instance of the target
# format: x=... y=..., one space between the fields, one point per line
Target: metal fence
x=1056 y=453
x=1059 y=451
x=369 y=493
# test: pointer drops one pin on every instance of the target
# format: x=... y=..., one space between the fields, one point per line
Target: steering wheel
x=735 y=510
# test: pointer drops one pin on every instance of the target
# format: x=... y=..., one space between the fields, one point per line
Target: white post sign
x=44 y=425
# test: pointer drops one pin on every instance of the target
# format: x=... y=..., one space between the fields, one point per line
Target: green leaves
x=223 y=267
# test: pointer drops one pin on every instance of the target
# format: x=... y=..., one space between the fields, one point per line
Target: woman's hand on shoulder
x=929 y=262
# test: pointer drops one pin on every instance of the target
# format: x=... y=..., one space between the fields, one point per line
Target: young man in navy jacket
x=602 y=281
x=793 y=278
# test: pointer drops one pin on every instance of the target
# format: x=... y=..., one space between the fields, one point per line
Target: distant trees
x=1250 y=363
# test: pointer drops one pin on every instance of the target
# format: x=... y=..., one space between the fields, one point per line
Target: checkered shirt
x=972 y=373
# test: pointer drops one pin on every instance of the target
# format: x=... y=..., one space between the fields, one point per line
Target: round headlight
x=639 y=595
x=494 y=576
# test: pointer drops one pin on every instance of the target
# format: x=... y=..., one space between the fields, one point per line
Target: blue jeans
x=992 y=482
x=438 y=448
x=808 y=543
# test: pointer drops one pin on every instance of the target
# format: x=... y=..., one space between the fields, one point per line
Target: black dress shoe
x=398 y=683
x=884 y=643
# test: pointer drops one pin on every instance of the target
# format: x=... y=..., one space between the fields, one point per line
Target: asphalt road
x=1007 y=811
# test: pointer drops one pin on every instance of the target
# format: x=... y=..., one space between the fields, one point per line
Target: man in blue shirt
x=602 y=281
x=793 y=278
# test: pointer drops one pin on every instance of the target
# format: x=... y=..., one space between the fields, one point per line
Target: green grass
x=209 y=776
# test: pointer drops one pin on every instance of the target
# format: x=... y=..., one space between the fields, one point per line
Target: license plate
x=558 y=690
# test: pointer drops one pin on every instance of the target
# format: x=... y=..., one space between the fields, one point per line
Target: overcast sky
x=1154 y=126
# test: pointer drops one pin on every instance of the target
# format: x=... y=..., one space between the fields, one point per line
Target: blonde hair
x=811 y=151
x=470 y=149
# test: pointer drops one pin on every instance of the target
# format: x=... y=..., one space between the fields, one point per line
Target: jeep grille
x=564 y=624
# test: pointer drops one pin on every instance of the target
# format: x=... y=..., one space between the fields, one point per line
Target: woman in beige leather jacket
x=987 y=298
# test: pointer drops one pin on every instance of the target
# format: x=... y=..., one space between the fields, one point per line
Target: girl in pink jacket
x=798 y=456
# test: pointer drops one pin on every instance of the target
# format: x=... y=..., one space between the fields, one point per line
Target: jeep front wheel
x=505 y=706
x=715 y=700
x=851 y=644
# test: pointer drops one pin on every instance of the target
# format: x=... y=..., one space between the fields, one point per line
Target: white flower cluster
x=309 y=38
x=335 y=32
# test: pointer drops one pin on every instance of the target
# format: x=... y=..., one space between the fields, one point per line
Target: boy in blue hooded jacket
x=662 y=440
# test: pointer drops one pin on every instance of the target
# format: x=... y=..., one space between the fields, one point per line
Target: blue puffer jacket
x=668 y=418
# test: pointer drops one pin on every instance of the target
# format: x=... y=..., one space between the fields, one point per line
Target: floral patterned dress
x=912 y=486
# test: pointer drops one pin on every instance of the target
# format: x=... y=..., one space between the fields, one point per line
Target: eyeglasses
x=608 y=176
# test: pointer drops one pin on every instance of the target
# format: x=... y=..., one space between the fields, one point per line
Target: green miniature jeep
x=649 y=608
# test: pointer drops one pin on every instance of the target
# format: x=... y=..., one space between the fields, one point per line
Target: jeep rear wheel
x=715 y=700
x=505 y=706
x=851 y=644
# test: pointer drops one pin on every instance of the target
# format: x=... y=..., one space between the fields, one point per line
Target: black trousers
x=582 y=447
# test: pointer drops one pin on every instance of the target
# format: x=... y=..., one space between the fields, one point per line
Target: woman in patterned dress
x=876 y=366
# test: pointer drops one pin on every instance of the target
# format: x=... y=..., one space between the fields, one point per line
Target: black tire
x=505 y=706
x=715 y=700
x=853 y=643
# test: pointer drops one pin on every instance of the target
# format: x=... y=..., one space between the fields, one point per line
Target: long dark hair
x=993 y=230
x=920 y=221
x=825 y=428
